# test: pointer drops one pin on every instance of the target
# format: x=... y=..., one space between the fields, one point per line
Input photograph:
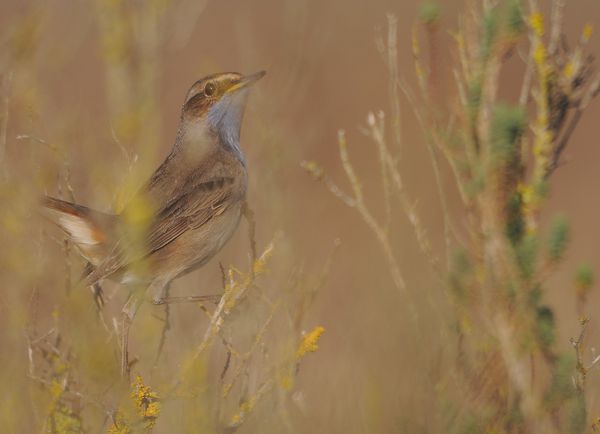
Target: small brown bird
x=185 y=213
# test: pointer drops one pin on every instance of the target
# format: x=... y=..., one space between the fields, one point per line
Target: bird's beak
x=246 y=81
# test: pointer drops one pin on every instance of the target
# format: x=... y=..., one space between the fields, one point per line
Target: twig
x=382 y=237
x=234 y=293
x=377 y=134
x=6 y=85
x=247 y=407
x=392 y=64
x=427 y=131
x=243 y=359
x=528 y=78
x=226 y=367
x=562 y=144
x=555 y=26
x=578 y=346
x=249 y=215
x=319 y=174
x=165 y=328
x=385 y=183
x=591 y=92
x=310 y=294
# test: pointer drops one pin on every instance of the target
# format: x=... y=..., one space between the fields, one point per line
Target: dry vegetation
x=482 y=340
x=510 y=374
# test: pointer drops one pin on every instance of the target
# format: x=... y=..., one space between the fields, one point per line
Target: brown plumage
x=188 y=209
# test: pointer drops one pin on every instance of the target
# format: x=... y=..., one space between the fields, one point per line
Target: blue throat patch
x=225 y=117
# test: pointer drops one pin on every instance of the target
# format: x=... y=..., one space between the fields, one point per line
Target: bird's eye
x=210 y=89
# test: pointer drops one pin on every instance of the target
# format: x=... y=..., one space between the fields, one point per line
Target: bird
x=183 y=215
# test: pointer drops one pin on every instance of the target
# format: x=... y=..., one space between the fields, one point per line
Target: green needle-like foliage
x=429 y=12
x=559 y=238
x=514 y=17
x=508 y=125
x=490 y=32
x=545 y=327
x=584 y=277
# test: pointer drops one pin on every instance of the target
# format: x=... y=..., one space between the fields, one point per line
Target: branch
x=6 y=85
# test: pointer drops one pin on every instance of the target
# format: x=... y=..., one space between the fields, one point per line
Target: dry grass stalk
x=510 y=370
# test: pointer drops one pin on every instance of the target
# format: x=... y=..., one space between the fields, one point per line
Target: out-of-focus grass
x=510 y=374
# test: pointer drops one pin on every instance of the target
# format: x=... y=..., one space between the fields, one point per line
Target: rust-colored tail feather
x=80 y=223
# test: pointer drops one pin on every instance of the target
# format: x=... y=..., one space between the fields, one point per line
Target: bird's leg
x=125 y=324
x=98 y=296
x=127 y=314
x=95 y=288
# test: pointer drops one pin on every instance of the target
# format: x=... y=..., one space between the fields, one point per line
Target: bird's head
x=218 y=102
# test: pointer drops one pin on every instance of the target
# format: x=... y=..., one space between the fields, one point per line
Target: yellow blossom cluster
x=310 y=342
x=146 y=402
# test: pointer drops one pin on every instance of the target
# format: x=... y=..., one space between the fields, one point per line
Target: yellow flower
x=539 y=55
x=527 y=193
x=286 y=381
x=56 y=390
x=569 y=70
x=313 y=168
x=415 y=42
x=245 y=408
x=310 y=342
x=418 y=70
x=536 y=21
x=588 y=29
x=146 y=402
x=119 y=426
x=260 y=265
x=153 y=410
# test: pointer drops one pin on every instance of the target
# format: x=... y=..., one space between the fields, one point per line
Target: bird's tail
x=87 y=229
x=84 y=226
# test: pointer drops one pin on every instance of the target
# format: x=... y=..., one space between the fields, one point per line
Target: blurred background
x=90 y=102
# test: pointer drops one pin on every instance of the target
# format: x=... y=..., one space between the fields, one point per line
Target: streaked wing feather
x=191 y=209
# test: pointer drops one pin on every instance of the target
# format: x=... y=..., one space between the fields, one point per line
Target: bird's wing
x=191 y=210
x=204 y=196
